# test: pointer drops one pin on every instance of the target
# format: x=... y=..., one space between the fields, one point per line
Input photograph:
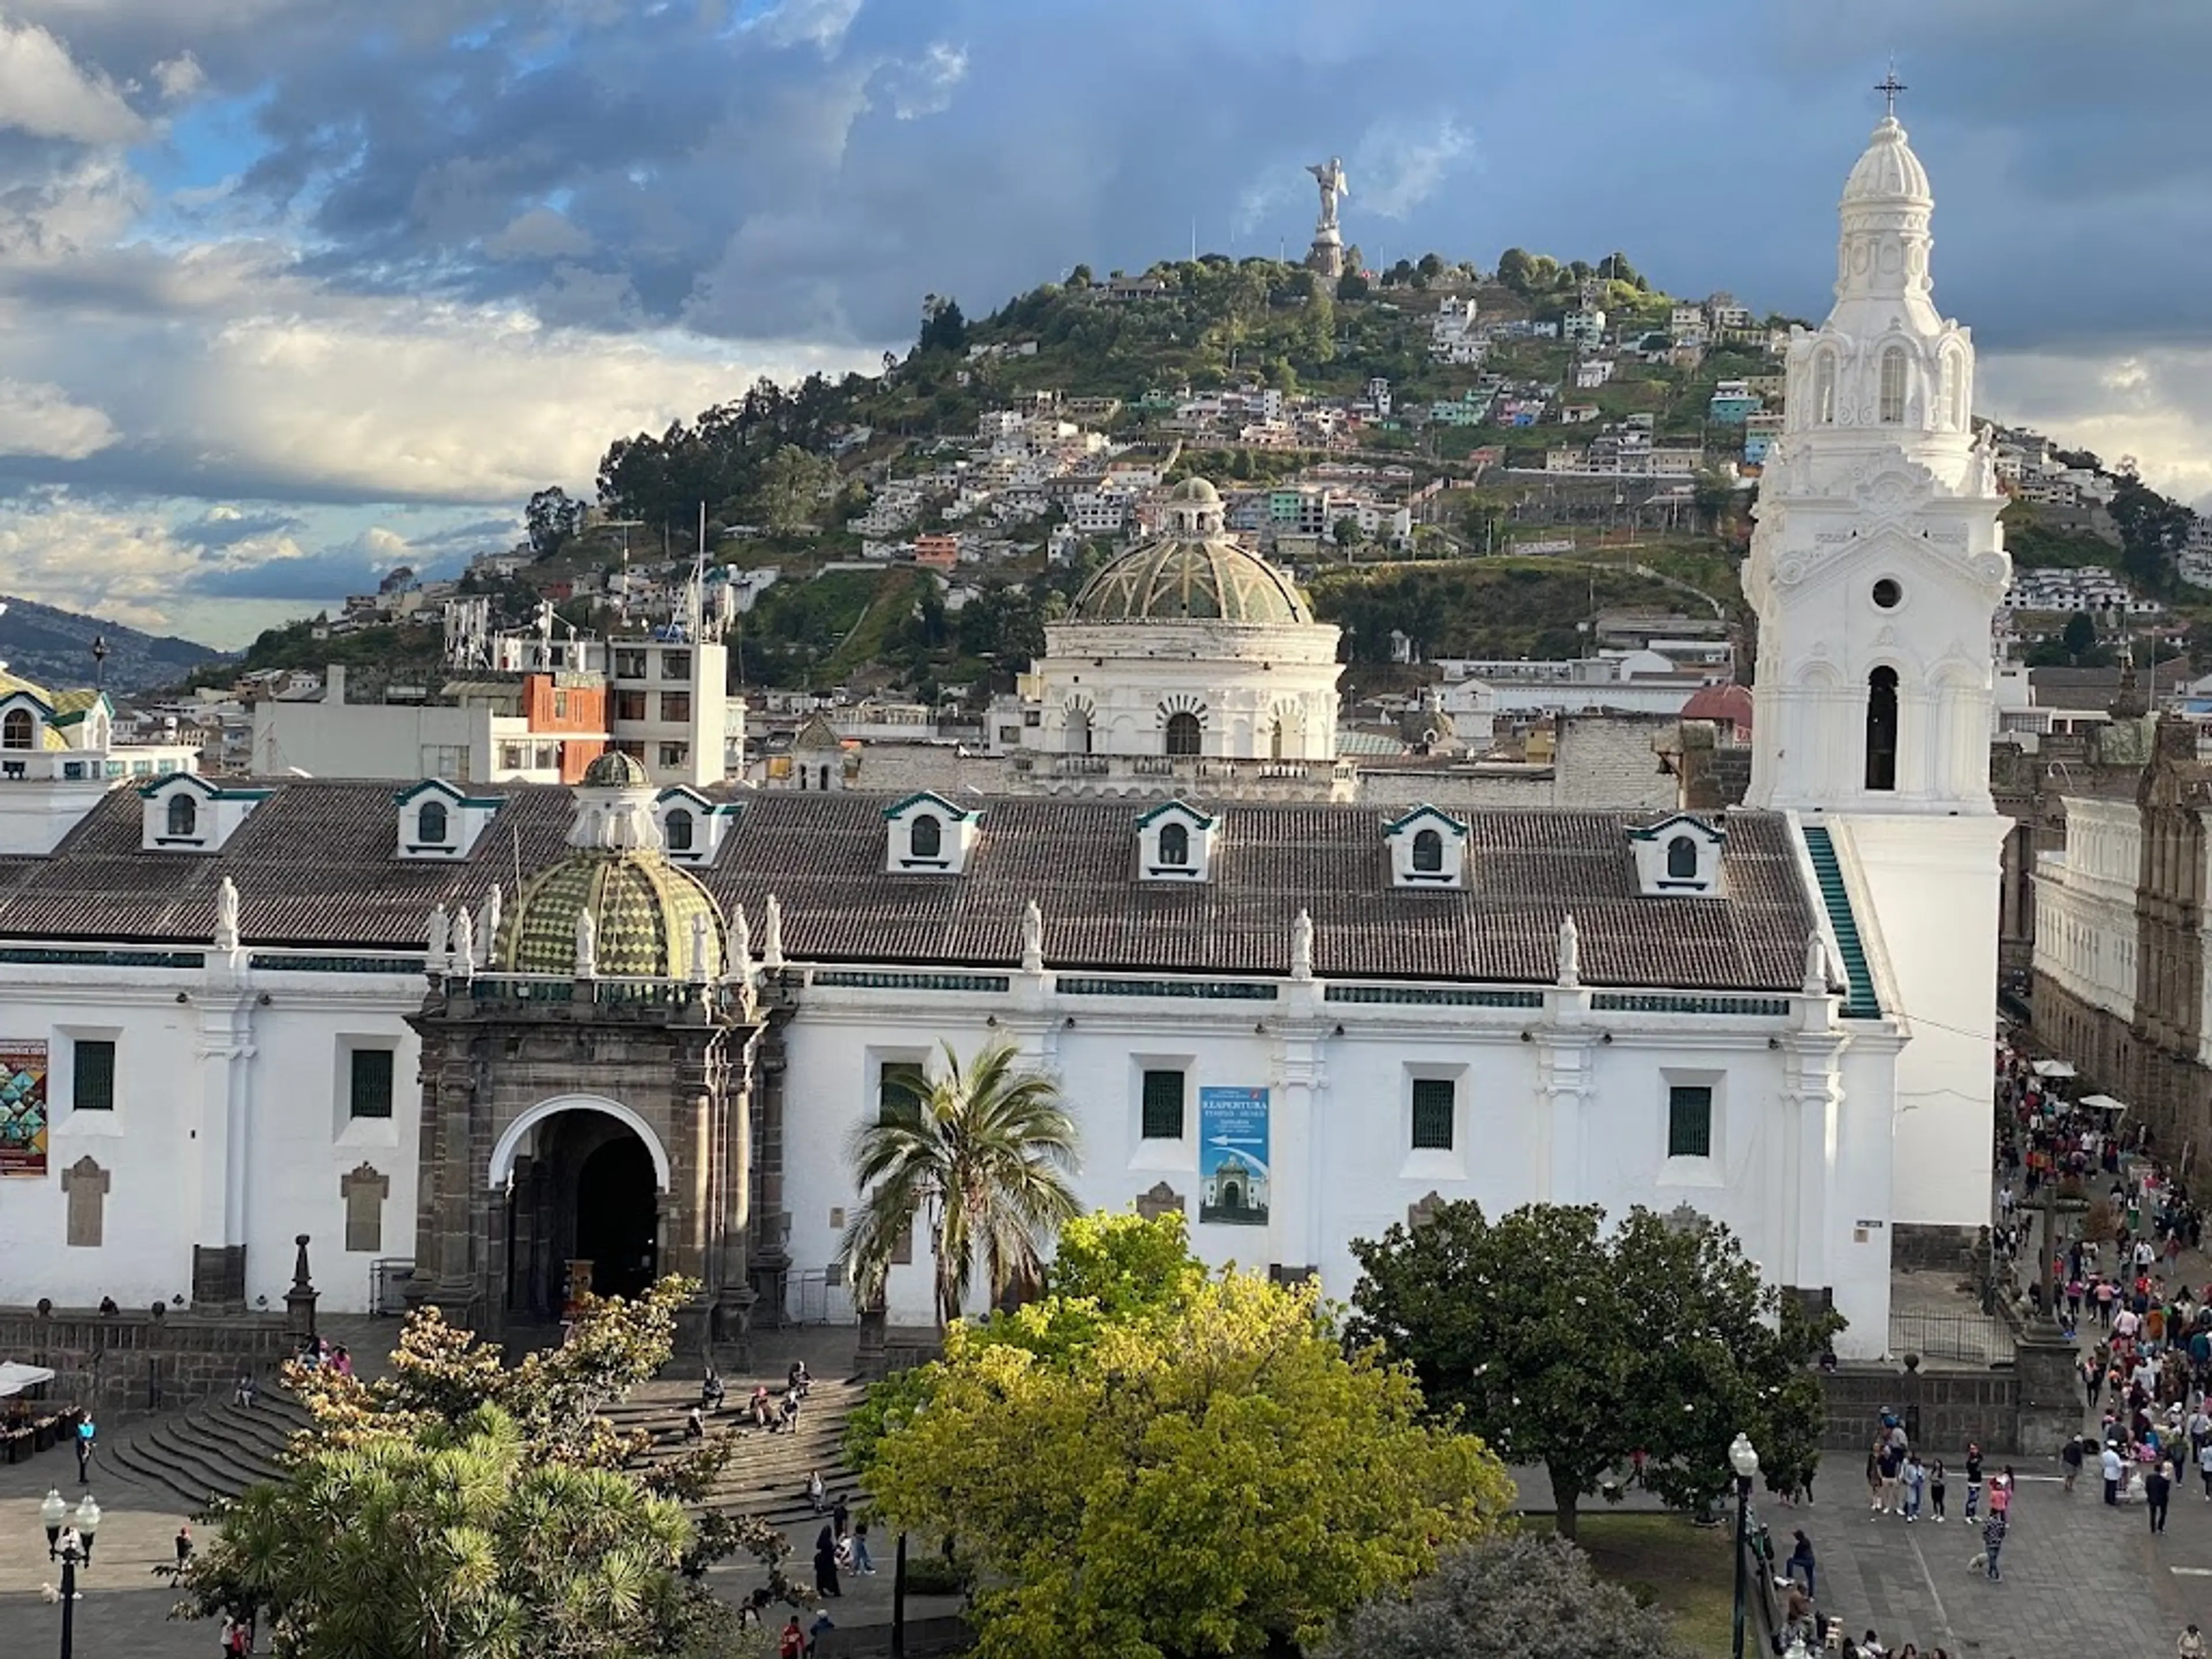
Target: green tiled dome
x=1179 y=577
x=642 y=904
x=614 y=770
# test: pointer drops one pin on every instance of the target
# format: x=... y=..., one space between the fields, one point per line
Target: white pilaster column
x=1300 y=1077
x=1566 y=1066
x=1811 y=1092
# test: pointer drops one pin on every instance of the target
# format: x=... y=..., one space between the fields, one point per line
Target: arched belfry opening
x=1881 y=730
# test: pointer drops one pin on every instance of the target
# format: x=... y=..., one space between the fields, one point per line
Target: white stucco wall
x=167 y=1145
x=1564 y=1117
x=1925 y=894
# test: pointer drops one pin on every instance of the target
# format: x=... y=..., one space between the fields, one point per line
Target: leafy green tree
x=980 y=1156
x=1351 y=285
x=1106 y=1269
x=1345 y=533
x=463 y=1509
x=1204 y=1481
x=1431 y=265
x=2080 y=637
x=790 y=483
x=1514 y=266
x=1566 y=1346
x=943 y=327
x=1515 y=1597
x=551 y=518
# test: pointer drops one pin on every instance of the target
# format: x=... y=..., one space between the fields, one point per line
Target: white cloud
x=43 y=92
x=925 y=86
x=819 y=23
x=2155 y=405
x=180 y=77
x=39 y=419
x=1399 y=163
x=122 y=563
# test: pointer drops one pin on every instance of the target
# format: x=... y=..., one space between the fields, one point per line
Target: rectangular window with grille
x=897 y=1084
x=1163 y=1104
x=93 y=1088
x=1690 y=1121
x=370 y=1083
x=1436 y=1101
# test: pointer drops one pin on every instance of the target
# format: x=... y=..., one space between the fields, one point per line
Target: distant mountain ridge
x=54 y=646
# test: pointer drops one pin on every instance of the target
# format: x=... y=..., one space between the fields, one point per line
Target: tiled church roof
x=315 y=867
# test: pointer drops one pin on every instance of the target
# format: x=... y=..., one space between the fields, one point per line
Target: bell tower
x=1878 y=563
x=1877 y=571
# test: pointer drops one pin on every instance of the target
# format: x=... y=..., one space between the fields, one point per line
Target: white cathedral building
x=480 y=1035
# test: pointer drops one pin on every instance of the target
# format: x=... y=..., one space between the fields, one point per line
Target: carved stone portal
x=86 y=1185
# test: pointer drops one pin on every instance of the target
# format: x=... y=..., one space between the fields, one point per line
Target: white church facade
x=491 y=1032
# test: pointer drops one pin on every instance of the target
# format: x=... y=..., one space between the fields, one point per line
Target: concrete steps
x=218 y=1448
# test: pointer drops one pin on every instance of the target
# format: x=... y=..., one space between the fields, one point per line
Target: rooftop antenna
x=1889 y=86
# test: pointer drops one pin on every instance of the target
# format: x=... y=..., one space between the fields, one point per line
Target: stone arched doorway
x=584 y=1181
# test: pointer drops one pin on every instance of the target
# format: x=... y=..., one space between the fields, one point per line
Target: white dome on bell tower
x=1878 y=563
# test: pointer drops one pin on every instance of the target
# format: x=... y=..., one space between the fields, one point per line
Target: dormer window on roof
x=691 y=826
x=438 y=820
x=930 y=835
x=1678 y=857
x=1174 y=842
x=185 y=814
x=1428 y=849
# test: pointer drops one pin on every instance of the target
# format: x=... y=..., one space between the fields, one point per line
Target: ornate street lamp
x=53 y=1512
x=1744 y=1461
x=88 y=1522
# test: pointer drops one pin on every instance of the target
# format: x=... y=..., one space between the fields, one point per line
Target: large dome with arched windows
x=1193 y=571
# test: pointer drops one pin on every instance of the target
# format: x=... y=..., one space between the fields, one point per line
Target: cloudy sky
x=292 y=291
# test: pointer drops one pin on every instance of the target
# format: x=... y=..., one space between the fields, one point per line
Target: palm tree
x=982 y=1154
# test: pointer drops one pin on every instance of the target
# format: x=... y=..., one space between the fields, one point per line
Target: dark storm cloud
x=220 y=531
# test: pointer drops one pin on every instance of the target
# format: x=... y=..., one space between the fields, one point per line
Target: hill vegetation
x=783 y=473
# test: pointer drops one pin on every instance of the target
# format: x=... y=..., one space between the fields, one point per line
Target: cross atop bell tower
x=1889 y=86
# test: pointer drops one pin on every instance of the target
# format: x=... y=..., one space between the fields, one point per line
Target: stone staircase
x=217 y=1449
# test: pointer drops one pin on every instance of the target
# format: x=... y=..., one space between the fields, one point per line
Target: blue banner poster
x=1232 y=1157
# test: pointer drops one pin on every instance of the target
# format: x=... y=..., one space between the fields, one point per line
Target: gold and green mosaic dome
x=642 y=904
x=1191 y=572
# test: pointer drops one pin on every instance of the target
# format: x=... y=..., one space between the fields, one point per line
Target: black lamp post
x=69 y=1598
x=52 y=1513
x=88 y=1523
x=1744 y=1461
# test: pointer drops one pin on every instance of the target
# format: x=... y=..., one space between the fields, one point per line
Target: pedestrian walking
x=2071 y=1458
x=1993 y=1538
x=1873 y=1477
x=1973 y=1478
x=184 y=1544
x=1936 y=1482
x=86 y=1432
x=1893 y=1465
x=825 y=1563
x=2003 y=1490
x=860 y=1548
x=2113 y=1468
x=1915 y=1486
x=2158 y=1487
x=2205 y=1467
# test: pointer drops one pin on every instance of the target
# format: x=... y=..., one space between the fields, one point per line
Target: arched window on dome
x=677 y=831
x=1184 y=732
x=1428 y=852
x=1824 y=389
x=17 y=731
x=1881 y=730
x=926 y=837
x=184 y=817
x=1175 y=845
x=1891 y=412
x=430 y=823
x=1681 y=858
